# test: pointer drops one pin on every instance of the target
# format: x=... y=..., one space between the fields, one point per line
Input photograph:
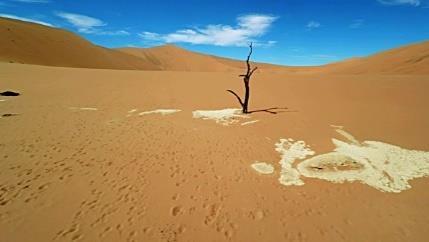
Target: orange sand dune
x=170 y=57
x=135 y=155
x=173 y=58
x=90 y=156
x=29 y=43
x=410 y=59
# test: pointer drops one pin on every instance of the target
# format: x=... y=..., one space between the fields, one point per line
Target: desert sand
x=143 y=155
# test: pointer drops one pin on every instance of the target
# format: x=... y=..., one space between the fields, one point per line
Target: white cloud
x=103 y=32
x=88 y=25
x=357 y=23
x=32 y=1
x=400 y=2
x=313 y=25
x=81 y=22
x=26 y=19
x=247 y=29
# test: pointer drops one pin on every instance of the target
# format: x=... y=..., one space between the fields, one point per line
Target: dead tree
x=246 y=79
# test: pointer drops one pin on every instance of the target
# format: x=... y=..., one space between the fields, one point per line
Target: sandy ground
x=79 y=163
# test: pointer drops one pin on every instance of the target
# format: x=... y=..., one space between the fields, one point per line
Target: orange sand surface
x=78 y=162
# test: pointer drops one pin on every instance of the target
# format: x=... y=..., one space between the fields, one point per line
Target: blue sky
x=290 y=32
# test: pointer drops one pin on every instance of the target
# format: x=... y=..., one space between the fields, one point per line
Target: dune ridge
x=409 y=59
x=30 y=43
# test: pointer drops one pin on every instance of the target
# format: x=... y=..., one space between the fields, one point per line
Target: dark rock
x=9 y=115
x=9 y=93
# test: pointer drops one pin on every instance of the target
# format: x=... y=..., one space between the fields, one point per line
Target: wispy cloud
x=357 y=23
x=104 y=32
x=32 y=1
x=313 y=25
x=25 y=19
x=81 y=22
x=415 y=3
x=248 y=28
x=88 y=25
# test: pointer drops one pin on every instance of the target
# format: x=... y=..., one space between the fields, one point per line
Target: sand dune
x=79 y=163
x=173 y=58
x=410 y=59
x=134 y=155
x=29 y=43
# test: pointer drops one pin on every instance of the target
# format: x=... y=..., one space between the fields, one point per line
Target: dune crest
x=26 y=43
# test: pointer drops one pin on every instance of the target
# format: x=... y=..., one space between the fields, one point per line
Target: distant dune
x=171 y=57
x=174 y=58
x=29 y=43
x=410 y=59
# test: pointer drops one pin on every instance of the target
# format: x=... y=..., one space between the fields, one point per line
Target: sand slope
x=23 y=42
x=410 y=59
x=173 y=58
x=78 y=162
x=30 y=43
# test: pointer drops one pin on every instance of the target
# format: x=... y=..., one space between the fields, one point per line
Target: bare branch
x=236 y=95
x=246 y=79
x=248 y=60
x=254 y=69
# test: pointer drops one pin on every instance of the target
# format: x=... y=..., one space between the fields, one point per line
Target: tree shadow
x=274 y=110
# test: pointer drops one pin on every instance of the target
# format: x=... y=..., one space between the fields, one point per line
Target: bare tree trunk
x=246 y=80
x=246 y=95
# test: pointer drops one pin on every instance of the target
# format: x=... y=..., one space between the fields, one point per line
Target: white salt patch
x=290 y=152
x=386 y=167
x=2 y=100
x=223 y=116
x=250 y=122
x=161 y=111
x=131 y=112
x=334 y=167
x=348 y=136
x=263 y=168
x=84 y=109
x=337 y=126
